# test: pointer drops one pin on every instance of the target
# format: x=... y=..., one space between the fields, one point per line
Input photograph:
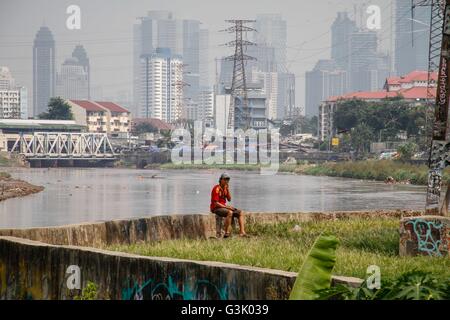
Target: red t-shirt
x=218 y=195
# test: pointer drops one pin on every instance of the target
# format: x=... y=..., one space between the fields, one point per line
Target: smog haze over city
x=245 y=150
x=107 y=32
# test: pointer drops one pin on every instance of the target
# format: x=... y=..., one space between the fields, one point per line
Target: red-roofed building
x=101 y=116
x=411 y=87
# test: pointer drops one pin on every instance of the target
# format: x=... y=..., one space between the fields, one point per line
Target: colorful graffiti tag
x=171 y=290
x=428 y=235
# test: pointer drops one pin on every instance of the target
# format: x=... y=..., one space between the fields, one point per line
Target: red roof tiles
x=88 y=105
x=111 y=106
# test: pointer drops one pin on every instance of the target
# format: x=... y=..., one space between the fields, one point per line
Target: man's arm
x=227 y=193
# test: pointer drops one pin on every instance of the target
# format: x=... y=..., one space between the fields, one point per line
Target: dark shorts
x=222 y=212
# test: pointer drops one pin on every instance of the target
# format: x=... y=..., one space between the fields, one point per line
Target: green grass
x=363 y=242
x=374 y=170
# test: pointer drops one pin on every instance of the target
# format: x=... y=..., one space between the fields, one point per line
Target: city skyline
x=110 y=45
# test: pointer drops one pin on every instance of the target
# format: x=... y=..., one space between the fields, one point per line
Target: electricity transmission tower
x=435 y=40
x=439 y=60
x=239 y=115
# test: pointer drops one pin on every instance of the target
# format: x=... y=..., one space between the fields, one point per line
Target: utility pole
x=440 y=146
x=239 y=115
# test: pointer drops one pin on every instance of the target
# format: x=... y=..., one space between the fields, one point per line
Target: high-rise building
x=161 y=92
x=6 y=79
x=324 y=81
x=225 y=75
x=411 y=37
x=272 y=32
x=43 y=70
x=159 y=29
x=72 y=82
x=205 y=109
x=10 y=101
x=80 y=54
x=362 y=59
x=269 y=84
x=341 y=31
x=286 y=97
x=271 y=59
x=204 y=58
x=13 y=98
x=191 y=59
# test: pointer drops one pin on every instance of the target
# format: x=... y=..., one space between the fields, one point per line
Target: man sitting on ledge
x=220 y=194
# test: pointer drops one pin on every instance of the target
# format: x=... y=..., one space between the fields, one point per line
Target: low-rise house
x=101 y=116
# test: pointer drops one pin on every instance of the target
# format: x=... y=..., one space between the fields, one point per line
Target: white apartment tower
x=161 y=87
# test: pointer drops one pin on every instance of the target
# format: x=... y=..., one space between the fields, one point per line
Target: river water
x=75 y=195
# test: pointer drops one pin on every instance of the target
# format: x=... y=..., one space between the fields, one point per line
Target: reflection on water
x=75 y=195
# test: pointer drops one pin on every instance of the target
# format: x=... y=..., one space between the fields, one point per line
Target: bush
x=89 y=292
x=413 y=285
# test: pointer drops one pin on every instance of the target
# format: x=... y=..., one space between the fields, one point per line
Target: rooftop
x=111 y=106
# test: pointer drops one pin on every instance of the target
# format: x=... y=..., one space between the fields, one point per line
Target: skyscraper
x=159 y=29
x=411 y=37
x=324 y=81
x=271 y=64
x=43 y=70
x=161 y=93
x=80 y=54
x=204 y=58
x=362 y=59
x=191 y=59
x=272 y=32
x=341 y=31
x=72 y=82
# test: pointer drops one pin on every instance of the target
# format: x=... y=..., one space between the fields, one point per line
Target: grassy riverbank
x=379 y=170
x=363 y=242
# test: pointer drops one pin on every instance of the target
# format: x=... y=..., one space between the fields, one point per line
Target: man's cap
x=224 y=176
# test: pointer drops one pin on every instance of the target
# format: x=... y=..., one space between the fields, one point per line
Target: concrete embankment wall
x=37 y=269
x=117 y=232
x=158 y=228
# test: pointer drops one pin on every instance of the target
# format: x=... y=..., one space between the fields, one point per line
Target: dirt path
x=11 y=188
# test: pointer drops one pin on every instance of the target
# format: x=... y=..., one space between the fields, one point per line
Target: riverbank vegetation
x=284 y=246
x=379 y=170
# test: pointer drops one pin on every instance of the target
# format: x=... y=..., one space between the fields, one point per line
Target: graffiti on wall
x=439 y=160
x=171 y=290
x=428 y=234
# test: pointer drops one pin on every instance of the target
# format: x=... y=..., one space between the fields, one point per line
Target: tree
x=58 y=109
x=145 y=127
x=385 y=119
x=407 y=151
x=361 y=136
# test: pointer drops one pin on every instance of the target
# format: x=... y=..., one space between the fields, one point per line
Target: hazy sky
x=106 y=32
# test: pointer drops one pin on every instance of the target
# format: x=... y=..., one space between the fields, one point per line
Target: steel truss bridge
x=64 y=146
